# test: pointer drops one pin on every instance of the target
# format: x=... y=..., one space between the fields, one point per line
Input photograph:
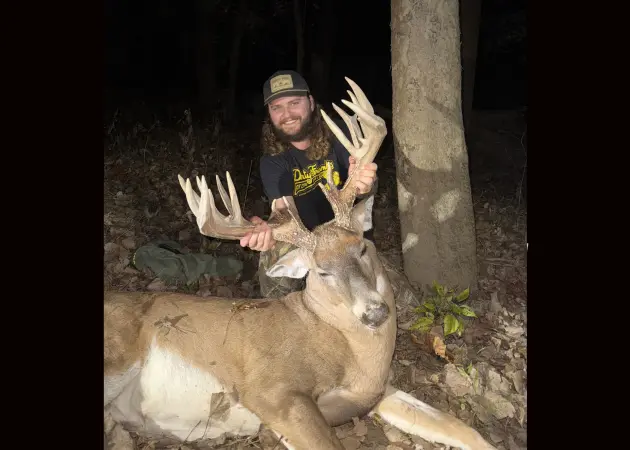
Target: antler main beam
x=367 y=131
x=285 y=224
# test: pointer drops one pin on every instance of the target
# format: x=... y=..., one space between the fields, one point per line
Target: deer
x=194 y=368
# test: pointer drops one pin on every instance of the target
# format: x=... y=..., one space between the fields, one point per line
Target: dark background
x=172 y=54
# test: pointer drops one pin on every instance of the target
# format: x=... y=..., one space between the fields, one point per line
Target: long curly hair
x=320 y=138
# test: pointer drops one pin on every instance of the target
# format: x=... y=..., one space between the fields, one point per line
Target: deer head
x=338 y=262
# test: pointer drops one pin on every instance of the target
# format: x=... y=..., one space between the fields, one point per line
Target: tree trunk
x=434 y=196
x=470 y=15
x=235 y=55
x=299 y=35
x=323 y=40
x=206 y=58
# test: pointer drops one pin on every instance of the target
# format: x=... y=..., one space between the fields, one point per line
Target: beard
x=306 y=128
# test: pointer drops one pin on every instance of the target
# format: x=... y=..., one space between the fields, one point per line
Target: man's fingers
x=266 y=241
x=253 y=239
x=362 y=187
x=245 y=240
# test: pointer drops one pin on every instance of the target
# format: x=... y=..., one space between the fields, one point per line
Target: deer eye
x=363 y=251
x=324 y=274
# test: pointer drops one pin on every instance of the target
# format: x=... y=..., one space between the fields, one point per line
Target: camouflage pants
x=272 y=287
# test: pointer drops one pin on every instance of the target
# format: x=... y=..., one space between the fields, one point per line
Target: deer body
x=196 y=368
x=178 y=351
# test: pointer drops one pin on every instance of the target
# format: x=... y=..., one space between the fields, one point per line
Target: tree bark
x=299 y=35
x=434 y=196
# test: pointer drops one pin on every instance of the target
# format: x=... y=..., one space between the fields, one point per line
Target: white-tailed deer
x=196 y=368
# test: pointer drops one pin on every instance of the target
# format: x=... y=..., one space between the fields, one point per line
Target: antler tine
x=367 y=141
x=361 y=98
x=287 y=226
x=209 y=220
x=341 y=209
x=351 y=123
x=224 y=196
x=191 y=196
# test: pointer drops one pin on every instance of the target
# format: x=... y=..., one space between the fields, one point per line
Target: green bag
x=167 y=262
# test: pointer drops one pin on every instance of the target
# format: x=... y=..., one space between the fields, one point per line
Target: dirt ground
x=483 y=380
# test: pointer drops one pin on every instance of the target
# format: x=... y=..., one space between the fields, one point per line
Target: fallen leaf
x=351 y=443
x=393 y=434
x=224 y=291
x=512 y=444
x=119 y=438
x=497 y=405
x=514 y=331
x=157 y=285
x=360 y=428
x=344 y=431
x=495 y=382
x=495 y=306
x=517 y=379
x=457 y=383
x=439 y=347
x=129 y=243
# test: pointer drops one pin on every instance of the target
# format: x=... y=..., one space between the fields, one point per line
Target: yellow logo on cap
x=280 y=83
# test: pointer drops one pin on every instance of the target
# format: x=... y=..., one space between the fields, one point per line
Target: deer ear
x=362 y=215
x=293 y=265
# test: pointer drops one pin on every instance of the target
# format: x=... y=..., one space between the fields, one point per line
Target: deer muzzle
x=375 y=314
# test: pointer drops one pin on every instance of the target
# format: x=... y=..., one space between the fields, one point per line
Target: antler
x=367 y=135
x=285 y=223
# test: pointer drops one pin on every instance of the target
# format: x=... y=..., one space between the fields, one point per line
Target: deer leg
x=299 y=422
x=412 y=416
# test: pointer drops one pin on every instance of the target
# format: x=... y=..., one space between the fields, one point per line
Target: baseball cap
x=284 y=83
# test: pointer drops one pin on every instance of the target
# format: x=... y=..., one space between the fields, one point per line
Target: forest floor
x=481 y=377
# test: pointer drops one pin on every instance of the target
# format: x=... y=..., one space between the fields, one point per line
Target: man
x=297 y=149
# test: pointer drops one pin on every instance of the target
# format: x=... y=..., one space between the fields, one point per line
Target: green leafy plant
x=444 y=306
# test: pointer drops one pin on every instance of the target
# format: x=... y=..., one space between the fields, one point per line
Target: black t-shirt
x=291 y=173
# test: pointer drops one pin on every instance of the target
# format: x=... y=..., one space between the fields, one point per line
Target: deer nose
x=375 y=314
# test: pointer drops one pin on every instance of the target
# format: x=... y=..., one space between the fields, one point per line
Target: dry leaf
x=156 y=285
x=129 y=243
x=344 y=430
x=394 y=434
x=439 y=347
x=224 y=291
x=360 y=428
x=351 y=443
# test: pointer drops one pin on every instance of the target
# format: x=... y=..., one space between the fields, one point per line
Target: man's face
x=291 y=116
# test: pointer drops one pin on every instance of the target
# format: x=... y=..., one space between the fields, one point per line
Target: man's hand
x=366 y=177
x=261 y=238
